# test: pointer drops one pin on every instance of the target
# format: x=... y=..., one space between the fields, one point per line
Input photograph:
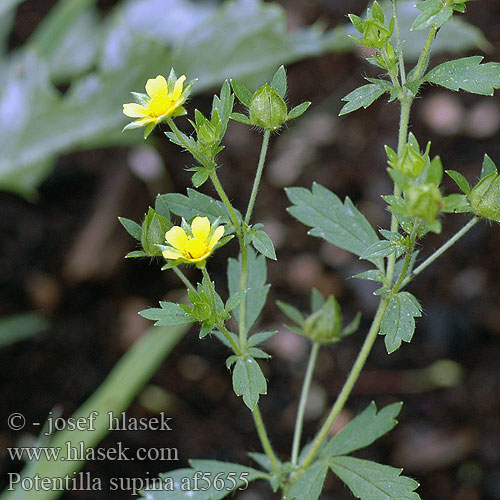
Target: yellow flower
x=164 y=99
x=194 y=247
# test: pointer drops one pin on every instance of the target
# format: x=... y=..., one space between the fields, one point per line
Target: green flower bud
x=410 y=162
x=267 y=109
x=424 y=201
x=323 y=326
x=375 y=34
x=485 y=197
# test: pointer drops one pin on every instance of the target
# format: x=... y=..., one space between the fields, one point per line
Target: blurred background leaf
x=104 y=60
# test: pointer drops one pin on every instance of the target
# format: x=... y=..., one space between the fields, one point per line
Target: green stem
x=223 y=196
x=348 y=385
x=408 y=257
x=264 y=439
x=184 y=279
x=303 y=400
x=424 y=56
x=402 y=70
x=244 y=258
x=440 y=250
x=258 y=175
x=220 y=323
x=243 y=285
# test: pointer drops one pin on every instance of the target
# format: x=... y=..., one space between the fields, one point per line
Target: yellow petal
x=200 y=227
x=196 y=248
x=155 y=86
x=144 y=121
x=171 y=254
x=177 y=237
x=216 y=236
x=178 y=87
x=134 y=110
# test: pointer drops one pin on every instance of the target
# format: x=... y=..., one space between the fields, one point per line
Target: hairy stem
x=223 y=196
x=264 y=439
x=303 y=400
x=184 y=279
x=440 y=250
x=220 y=322
x=258 y=175
x=348 y=385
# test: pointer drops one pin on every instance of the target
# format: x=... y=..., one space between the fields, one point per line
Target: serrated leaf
x=242 y=93
x=382 y=248
x=362 y=97
x=132 y=228
x=341 y=224
x=434 y=13
x=249 y=381
x=256 y=284
x=292 y=312
x=298 y=110
x=194 y=204
x=398 y=322
x=310 y=483
x=263 y=244
x=181 y=484
x=168 y=314
x=372 y=481
x=467 y=74
x=487 y=168
x=279 y=82
x=363 y=430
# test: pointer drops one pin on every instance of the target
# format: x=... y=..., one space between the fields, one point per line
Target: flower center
x=196 y=248
x=160 y=105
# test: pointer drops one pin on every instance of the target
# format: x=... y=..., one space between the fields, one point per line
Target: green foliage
x=106 y=59
x=398 y=322
x=341 y=224
x=266 y=106
x=467 y=74
x=371 y=481
x=168 y=314
x=132 y=228
x=262 y=242
x=256 y=286
x=460 y=181
x=205 y=480
x=435 y=13
x=196 y=203
x=310 y=483
x=364 y=96
x=363 y=430
x=248 y=379
x=279 y=82
x=153 y=232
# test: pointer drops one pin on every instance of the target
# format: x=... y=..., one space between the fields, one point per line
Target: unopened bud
x=485 y=197
x=323 y=326
x=267 y=109
x=424 y=201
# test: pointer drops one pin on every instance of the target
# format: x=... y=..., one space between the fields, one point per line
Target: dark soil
x=63 y=256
